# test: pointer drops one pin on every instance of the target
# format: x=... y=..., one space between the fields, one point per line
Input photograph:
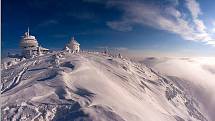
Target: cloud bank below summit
x=198 y=72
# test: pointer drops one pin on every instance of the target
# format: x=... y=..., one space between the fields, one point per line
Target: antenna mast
x=28 y=31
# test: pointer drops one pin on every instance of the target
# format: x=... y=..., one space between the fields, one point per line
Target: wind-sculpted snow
x=92 y=87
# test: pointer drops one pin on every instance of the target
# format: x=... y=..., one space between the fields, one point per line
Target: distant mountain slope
x=89 y=86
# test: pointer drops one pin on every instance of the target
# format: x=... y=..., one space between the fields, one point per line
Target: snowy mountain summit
x=62 y=86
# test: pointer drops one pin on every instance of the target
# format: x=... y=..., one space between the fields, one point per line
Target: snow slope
x=91 y=86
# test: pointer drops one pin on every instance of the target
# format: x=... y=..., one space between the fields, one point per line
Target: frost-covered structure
x=30 y=46
x=74 y=45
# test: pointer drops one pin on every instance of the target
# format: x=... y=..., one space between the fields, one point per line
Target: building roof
x=73 y=41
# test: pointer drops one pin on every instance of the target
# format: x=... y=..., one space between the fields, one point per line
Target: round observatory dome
x=28 y=41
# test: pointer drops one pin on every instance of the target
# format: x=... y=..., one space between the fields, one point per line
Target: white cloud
x=199 y=72
x=120 y=26
x=168 y=18
x=200 y=25
x=194 y=8
x=213 y=29
x=48 y=23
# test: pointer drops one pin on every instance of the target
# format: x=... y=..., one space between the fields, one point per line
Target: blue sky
x=171 y=27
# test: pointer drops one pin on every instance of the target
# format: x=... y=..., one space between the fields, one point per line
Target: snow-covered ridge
x=88 y=86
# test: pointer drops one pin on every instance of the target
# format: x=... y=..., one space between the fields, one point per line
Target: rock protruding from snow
x=67 y=49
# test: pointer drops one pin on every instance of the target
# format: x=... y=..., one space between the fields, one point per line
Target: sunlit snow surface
x=91 y=86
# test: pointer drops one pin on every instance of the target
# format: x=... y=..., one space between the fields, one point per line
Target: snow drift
x=91 y=86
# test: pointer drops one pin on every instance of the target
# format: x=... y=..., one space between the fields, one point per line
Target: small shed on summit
x=74 y=45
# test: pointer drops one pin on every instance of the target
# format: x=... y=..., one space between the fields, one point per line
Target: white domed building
x=30 y=46
x=74 y=46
